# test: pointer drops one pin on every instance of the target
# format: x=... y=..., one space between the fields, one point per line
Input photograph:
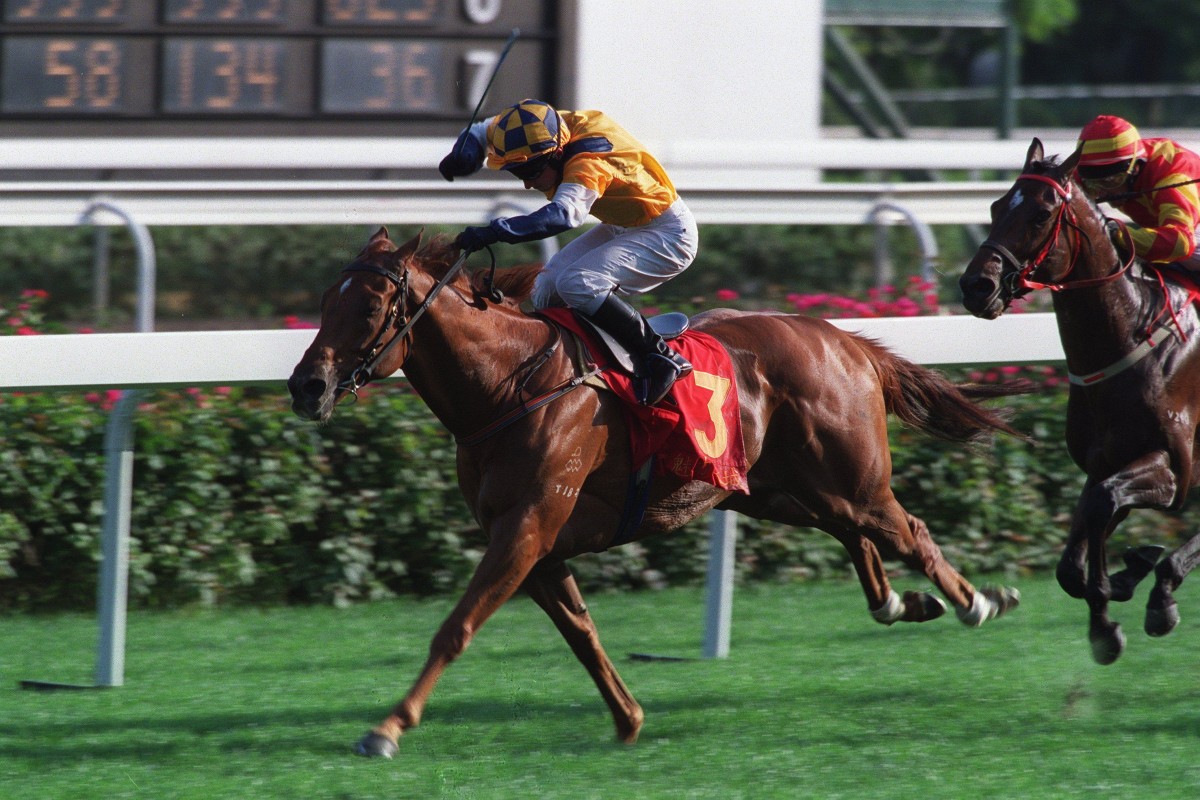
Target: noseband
x=361 y=375
x=1015 y=277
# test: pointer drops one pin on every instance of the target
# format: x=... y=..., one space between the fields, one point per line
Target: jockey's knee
x=543 y=294
x=584 y=292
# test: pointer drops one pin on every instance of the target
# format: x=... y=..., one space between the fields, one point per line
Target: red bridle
x=1024 y=270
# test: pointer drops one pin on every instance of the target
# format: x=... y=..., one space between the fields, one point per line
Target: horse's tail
x=930 y=402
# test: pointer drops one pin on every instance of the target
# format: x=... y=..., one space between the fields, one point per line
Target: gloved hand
x=463 y=159
x=476 y=238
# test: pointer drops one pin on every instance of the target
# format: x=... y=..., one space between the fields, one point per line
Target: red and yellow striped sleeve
x=1165 y=220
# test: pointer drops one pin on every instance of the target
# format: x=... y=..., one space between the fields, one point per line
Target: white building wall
x=705 y=80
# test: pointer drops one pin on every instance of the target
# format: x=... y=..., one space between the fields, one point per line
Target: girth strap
x=1156 y=337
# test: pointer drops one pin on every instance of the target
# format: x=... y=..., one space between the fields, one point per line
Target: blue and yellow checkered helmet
x=527 y=131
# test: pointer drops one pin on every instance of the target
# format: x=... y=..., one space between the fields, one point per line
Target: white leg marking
x=891 y=609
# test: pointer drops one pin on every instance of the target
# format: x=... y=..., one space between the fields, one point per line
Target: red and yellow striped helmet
x=1109 y=140
x=527 y=131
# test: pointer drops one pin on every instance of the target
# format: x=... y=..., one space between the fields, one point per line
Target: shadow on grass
x=294 y=730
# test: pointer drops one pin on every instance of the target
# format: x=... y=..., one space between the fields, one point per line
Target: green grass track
x=815 y=701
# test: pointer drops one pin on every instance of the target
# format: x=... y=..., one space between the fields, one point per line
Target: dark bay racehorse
x=553 y=484
x=1130 y=337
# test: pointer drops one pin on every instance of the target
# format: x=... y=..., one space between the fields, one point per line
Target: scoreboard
x=234 y=67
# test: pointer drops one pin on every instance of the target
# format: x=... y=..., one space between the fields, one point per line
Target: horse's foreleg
x=553 y=587
x=504 y=566
x=1072 y=564
x=885 y=605
x=1139 y=562
x=1162 y=613
x=1147 y=481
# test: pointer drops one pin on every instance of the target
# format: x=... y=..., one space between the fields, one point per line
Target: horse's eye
x=374 y=309
x=1041 y=216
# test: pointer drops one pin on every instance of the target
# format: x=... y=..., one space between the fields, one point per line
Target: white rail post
x=925 y=238
x=113 y=591
x=718 y=617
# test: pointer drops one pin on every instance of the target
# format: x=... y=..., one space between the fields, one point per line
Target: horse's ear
x=1068 y=166
x=1035 y=153
x=380 y=235
x=411 y=246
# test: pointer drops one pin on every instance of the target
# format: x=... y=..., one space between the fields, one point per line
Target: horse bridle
x=362 y=374
x=1014 y=277
x=1015 y=280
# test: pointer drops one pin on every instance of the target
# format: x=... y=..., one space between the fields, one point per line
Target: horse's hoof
x=1139 y=562
x=1143 y=557
x=1161 y=621
x=1107 y=644
x=922 y=607
x=374 y=745
x=1006 y=598
x=989 y=602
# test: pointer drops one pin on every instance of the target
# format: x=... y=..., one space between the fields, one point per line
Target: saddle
x=669 y=326
x=688 y=438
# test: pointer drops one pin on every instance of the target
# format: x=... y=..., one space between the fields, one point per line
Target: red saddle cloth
x=699 y=435
x=1186 y=278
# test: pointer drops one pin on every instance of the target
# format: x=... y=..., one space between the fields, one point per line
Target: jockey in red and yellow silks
x=1116 y=162
x=585 y=163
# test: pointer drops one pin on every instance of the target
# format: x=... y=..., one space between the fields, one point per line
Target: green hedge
x=265 y=273
x=238 y=501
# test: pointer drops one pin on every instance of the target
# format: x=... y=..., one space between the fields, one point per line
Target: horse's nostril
x=314 y=387
x=976 y=285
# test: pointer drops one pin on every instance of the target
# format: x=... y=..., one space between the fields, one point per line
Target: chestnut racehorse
x=553 y=484
x=1130 y=337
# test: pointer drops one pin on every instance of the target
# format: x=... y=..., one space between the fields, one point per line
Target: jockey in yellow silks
x=1152 y=181
x=585 y=163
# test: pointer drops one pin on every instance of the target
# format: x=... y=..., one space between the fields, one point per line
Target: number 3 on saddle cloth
x=699 y=437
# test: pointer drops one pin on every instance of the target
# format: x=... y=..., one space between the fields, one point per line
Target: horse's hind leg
x=553 y=587
x=885 y=605
x=908 y=538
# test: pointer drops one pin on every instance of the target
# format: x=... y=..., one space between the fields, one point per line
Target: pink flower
x=26 y=331
x=40 y=294
x=727 y=294
x=293 y=322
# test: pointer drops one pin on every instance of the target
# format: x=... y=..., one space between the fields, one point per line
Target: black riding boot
x=659 y=366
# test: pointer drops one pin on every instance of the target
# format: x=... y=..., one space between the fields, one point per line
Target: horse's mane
x=515 y=282
x=438 y=254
